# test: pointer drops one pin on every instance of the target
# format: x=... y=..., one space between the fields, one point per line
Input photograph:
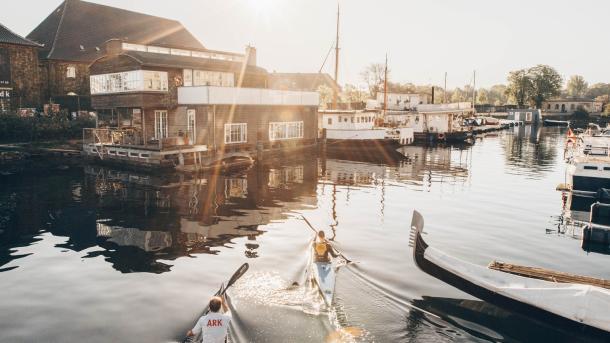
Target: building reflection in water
x=169 y=217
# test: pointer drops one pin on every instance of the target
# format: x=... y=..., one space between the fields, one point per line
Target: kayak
x=324 y=277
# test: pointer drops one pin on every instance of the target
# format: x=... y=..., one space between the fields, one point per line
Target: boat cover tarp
x=583 y=303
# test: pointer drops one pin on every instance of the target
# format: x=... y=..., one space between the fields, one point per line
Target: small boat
x=324 y=276
x=568 y=305
x=550 y=122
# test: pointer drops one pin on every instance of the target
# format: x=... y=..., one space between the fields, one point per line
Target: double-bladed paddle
x=316 y=231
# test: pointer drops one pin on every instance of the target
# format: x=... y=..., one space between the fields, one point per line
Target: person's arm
x=197 y=328
x=332 y=250
x=190 y=333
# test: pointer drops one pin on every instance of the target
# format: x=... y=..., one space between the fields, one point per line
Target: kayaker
x=213 y=326
x=322 y=248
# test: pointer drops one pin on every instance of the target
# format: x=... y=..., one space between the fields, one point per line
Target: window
x=548 y=106
x=236 y=133
x=134 y=47
x=572 y=106
x=528 y=116
x=590 y=167
x=556 y=106
x=71 y=72
x=212 y=78
x=330 y=121
x=180 y=52
x=188 y=77
x=130 y=81
x=190 y=124
x=285 y=130
x=161 y=128
x=200 y=54
x=155 y=80
x=158 y=50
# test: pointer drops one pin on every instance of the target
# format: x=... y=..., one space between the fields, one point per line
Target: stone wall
x=25 y=79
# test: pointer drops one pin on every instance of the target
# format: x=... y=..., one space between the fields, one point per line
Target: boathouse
x=19 y=79
x=434 y=122
x=527 y=116
x=569 y=105
x=164 y=105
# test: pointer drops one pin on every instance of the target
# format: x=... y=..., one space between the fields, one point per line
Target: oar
x=223 y=289
x=316 y=231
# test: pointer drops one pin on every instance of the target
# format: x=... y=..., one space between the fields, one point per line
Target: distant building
x=19 y=77
x=528 y=116
x=398 y=101
x=302 y=81
x=569 y=105
x=73 y=37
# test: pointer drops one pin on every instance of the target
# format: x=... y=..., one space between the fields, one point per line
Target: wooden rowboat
x=570 y=306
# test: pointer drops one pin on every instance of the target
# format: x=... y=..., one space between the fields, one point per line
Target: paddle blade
x=239 y=273
x=343 y=335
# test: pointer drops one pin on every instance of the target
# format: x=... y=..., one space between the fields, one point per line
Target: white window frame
x=236 y=137
x=134 y=47
x=187 y=77
x=129 y=81
x=71 y=72
x=161 y=124
x=191 y=124
x=285 y=130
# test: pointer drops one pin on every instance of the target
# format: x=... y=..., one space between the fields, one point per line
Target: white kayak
x=324 y=277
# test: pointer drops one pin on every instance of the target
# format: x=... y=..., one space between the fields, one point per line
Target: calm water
x=97 y=255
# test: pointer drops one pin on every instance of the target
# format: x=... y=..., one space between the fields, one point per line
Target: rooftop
x=9 y=37
x=77 y=31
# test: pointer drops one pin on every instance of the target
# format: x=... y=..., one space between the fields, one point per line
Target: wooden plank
x=548 y=275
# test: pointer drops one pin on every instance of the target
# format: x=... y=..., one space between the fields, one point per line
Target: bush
x=580 y=114
x=14 y=128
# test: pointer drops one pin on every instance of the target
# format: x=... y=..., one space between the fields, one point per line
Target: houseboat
x=527 y=116
x=435 y=122
x=588 y=157
x=173 y=107
x=358 y=130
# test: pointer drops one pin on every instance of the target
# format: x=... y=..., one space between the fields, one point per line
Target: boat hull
x=324 y=276
x=492 y=296
x=460 y=136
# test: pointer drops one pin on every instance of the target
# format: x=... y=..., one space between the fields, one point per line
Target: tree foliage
x=534 y=85
x=374 y=75
x=326 y=95
x=577 y=86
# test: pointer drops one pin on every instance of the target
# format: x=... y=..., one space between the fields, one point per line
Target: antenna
x=385 y=86
x=335 y=95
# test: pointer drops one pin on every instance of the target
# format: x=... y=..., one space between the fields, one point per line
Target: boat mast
x=385 y=86
x=445 y=90
x=335 y=95
x=474 y=87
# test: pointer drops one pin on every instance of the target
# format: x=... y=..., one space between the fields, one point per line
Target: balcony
x=213 y=95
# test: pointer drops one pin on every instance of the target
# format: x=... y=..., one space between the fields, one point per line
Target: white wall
x=356 y=134
x=208 y=95
x=347 y=121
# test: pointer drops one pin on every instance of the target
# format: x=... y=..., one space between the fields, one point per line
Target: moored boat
x=568 y=305
x=550 y=122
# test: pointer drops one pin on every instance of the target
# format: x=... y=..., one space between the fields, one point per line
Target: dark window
x=606 y=168
x=590 y=167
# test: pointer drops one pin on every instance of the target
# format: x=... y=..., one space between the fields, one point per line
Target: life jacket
x=320 y=248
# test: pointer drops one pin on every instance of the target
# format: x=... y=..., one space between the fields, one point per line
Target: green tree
x=326 y=95
x=497 y=95
x=457 y=95
x=374 y=75
x=353 y=94
x=577 y=86
x=598 y=89
x=520 y=86
x=482 y=96
x=546 y=83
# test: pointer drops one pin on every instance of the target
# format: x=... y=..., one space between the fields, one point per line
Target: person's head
x=215 y=304
x=321 y=234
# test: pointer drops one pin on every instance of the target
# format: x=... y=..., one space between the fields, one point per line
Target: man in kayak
x=214 y=325
x=322 y=249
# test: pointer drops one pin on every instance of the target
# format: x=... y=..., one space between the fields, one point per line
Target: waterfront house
x=569 y=105
x=527 y=116
x=73 y=37
x=401 y=101
x=163 y=105
x=19 y=79
x=434 y=122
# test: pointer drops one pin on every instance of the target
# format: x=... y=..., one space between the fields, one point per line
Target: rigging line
x=326 y=58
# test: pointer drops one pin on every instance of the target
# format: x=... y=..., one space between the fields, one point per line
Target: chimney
x=251 y=55
x=432 y=94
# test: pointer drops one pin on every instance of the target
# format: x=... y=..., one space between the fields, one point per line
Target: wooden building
x=163 y=105
x=19 y=78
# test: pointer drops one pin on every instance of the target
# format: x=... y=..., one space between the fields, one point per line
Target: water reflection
x=528 y=151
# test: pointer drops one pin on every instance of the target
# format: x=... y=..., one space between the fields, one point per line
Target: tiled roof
x=10 y=37
x=77 y=31
x=172 y=61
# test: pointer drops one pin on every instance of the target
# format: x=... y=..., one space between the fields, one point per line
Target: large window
x=161 y=127
x=212 y=78
x=236 y=133
x=130 y=81
x=71 y=72
x=183 y=52
x=285 y=130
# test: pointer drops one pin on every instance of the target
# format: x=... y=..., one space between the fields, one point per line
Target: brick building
x=73 y=37
x=19 y=75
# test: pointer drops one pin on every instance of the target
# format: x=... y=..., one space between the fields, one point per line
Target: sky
x=422 y=38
